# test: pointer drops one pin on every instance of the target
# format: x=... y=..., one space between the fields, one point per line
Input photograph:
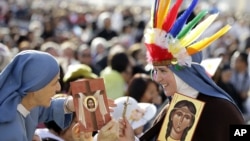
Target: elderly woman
x=176 y=58
x=26 y=87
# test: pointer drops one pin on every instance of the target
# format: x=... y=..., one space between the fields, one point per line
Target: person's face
x=140 y=57
x=91 y=103
x=100 y=49
x=150 y=93
x=137 y=114
x=68 y=53
x=164 y=76
x=43 y=96
x=53 y=52
x=240 y=64
x=226 y=75
x=85 y=57
x=181 y=119
x=127 y=74
x=107 y=22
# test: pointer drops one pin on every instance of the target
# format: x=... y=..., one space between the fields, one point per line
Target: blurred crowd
x=99 y=41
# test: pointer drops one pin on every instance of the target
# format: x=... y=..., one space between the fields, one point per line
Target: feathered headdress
x=171 y=40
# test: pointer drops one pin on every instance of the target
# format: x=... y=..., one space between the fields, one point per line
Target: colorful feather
x=149 y=36
x=181 y=21
x=171 y=17
x=197 y=31
x=196 y=47
x=157 y=53
x=191 y=24
x=154 y=10
x=168 y=40
x=162 y=11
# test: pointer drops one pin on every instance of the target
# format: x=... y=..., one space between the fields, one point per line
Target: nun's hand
x=126 y=132
x=109 y=132
x=81 y=136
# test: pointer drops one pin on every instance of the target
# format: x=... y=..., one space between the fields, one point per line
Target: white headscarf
x=184 y=88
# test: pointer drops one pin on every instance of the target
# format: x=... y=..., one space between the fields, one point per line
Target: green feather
x=178 y=67
x=191 y=24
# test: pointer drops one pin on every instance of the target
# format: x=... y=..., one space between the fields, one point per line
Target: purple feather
x=156 y=5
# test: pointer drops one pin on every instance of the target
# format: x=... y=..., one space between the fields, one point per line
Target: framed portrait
x=181 y=118
x=91 y=104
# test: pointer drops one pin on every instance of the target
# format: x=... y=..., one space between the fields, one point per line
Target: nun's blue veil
x=196 y=77
x=28 y=71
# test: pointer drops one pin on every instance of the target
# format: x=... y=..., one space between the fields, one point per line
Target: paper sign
x=211 y=65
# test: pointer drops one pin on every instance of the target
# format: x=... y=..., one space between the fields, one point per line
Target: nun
x=27 y=85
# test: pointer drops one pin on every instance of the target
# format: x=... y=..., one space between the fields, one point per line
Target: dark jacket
x=217 y=116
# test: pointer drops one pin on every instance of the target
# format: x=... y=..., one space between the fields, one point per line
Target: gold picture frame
x=181 y=119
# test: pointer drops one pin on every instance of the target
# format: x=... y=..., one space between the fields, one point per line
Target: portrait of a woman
x=181 y=120
x=90 y=103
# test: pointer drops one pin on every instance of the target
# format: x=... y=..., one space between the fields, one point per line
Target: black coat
x=217 y=116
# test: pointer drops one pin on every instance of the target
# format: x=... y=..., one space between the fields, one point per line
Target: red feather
x=156 y=53
x=171 y=17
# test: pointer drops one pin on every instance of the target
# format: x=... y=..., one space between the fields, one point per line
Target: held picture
x=91 y=104
x=181 y=119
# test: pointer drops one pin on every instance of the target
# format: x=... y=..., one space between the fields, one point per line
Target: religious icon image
x=91 y=103
x=181 y=119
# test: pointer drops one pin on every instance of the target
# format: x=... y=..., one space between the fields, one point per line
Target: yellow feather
x=151 y=22
x=197 y=31
x=162 y=12
x=196 y=47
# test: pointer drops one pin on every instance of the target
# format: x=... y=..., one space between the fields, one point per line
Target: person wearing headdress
x=27 y=85
x=176 y=55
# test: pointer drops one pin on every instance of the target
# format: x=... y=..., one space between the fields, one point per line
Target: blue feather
x=181 y=21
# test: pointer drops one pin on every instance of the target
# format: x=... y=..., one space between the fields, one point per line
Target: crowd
x=108 y=42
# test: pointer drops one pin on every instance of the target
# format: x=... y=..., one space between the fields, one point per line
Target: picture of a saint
x=90 y=103
x=182 y=118
x=92 y=107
